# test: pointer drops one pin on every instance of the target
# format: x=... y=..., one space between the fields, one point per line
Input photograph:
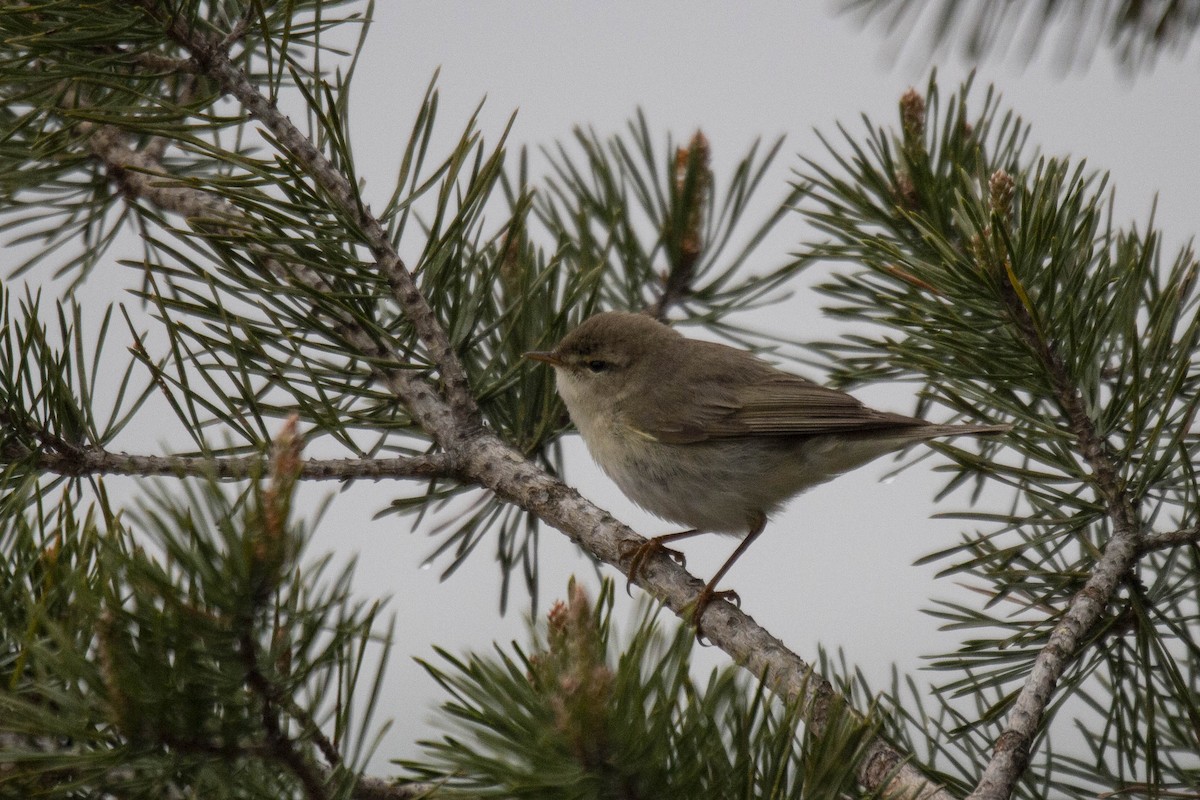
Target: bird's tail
x=938 y=431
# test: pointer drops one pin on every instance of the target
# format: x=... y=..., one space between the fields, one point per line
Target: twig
x=279 y=746
x=97 y=460
x=1165 y=541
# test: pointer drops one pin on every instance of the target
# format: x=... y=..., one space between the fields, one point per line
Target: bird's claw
x=637 y=551
x=701 y=603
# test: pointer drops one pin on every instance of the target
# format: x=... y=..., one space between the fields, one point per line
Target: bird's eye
x=597 y=365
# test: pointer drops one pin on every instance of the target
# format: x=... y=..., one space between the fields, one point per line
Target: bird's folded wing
x=777 y=405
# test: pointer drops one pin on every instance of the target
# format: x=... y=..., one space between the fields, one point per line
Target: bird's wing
x=774 y=403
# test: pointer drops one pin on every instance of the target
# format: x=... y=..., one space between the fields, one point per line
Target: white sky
x=835 y=568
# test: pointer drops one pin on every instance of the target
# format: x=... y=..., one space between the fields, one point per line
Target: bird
x=712 y=437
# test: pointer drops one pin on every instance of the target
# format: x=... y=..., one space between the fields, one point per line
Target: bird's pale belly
x=721 y=486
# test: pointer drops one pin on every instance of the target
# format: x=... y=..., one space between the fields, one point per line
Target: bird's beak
x=546 y=357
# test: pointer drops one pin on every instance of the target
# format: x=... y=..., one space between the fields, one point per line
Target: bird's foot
x=638 y=551
x=700 y=605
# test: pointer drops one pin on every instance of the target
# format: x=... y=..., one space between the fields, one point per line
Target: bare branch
x=1166 y=541
x=98 y=461
x=65 y=458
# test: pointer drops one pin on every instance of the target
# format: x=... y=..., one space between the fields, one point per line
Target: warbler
x=709 y=436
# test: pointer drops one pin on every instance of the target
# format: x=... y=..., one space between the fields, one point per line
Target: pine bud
x=912 y=115
x=1001 y=188
x=693 y=179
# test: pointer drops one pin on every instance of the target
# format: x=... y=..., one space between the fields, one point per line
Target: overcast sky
x=836 y=567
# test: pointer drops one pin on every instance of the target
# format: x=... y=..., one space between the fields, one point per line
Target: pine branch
x=1010 y=755
x=1011 y=751
x=268 y=556
x=582 y=696
x=141 y=176
x=365 y=787
x=989 y=295
x=213 y=58
x=279 y=746
x=472 y=452
x=1135 y=31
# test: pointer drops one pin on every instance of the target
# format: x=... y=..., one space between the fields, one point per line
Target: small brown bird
x=709 y=436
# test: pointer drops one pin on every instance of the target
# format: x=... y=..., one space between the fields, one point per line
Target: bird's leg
x=709 y=593
x=638 y=552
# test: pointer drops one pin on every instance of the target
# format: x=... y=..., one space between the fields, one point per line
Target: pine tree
x=181 y=641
